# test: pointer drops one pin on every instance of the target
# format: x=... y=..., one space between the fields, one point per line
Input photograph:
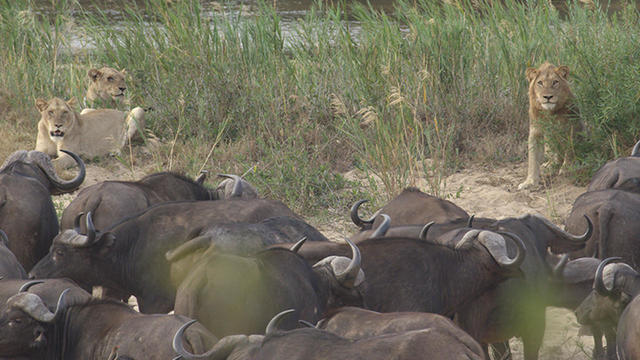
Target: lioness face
x=549 y=86
x=108 y=83
x=58 y=115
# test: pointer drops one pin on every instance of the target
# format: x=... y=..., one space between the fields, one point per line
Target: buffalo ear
x=94 y=74
x=531 y=73
x=41 y=104
x=107 y=240
x=563 y=71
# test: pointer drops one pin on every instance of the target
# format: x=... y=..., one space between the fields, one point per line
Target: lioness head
x=106 y=84
x=58 y=116
x=548 y=87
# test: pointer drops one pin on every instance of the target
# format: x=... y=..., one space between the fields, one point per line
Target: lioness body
x=95 y=133
x=549 y=98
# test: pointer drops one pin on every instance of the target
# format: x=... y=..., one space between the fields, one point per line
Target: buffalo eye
x=14 y=322
x=59 y=252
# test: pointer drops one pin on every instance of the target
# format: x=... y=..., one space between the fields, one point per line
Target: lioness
x=106 y=87
x=549 y=96
x=96 y=133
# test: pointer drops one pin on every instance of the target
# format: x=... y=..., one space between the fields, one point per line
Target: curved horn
x=25 y=287
x=598 y=282
x=272 y=326
x=470 y=221
x=520 y=253
x=237 y=184
x=558 y=270
x=636 y=149
x=567 y=236
x=66 y=186
x=4 y=238
x=383 y=228
x=425 y=230
x=348 y=277
x=467 y=237
x=306 y=324
x=220 y=350
x=76 y=222
x=356 y=218
x=203 y=175
x=32 y=304
x=298 y=245
x=188 y=247
x=91 y=230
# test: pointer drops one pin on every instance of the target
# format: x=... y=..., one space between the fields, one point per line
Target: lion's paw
x=527 y=184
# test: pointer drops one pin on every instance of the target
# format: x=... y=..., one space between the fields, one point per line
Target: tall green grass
x=426 y=89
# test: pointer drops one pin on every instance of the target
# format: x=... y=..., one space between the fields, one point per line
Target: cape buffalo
x=616 y=216
x=316 y=344
x=10 y=267
x=27 y=214
x=231 y=294
x=128 y=257
x=620 y=173
x=412 y=206
x=614 y=286
x=91 y=330
x=110 y=201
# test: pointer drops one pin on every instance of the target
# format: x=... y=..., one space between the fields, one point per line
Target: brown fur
x=549 y=96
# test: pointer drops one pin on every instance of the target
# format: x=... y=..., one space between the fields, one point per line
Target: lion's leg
x=536 y=155
x=135 y=123
x=43 y=141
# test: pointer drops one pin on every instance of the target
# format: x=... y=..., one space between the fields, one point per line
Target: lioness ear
x=41 y=104
x=124 y=71
x=563 y=71
x=94 y=74
x=531 y=73
x=72 y=102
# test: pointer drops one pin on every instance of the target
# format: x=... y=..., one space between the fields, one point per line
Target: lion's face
x=58 y=115
x=548 y=86
x=107 y=84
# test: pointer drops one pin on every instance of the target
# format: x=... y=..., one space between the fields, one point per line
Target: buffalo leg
x=610 y=335
x=598 y=350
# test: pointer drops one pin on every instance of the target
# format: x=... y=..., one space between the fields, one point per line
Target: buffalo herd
x=221 y=273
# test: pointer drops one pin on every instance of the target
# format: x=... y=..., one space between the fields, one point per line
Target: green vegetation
x=295 y=110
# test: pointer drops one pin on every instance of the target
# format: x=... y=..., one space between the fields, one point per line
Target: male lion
x=549 y=98
x=96 y=133
x=106 y=87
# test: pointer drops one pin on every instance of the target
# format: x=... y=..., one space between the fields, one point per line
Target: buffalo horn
x=470 y=221
x=520 y=254
x=305 y=323
x=467 y=237
x=636 y=149
x=91 y=230
x=298 y=245
x=190 y=246
x=425 y=230
x=598 y=283
x=559 y=268
x=72 y=184
x=237 y=185
x=29 y=284
x=350 y=274
x=384 y=226
x=273 y=324
x=32 y=304
x=567 y=236
x=76 y=222
x=203 y=175
x=356 y=218
x=220 y=350
x=4 y=238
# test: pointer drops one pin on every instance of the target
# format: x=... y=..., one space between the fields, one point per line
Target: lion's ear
x=72 y=102
x=41 y=104
x=94 y=74
x=563 y=71
x=531 y=73
x=124 y=71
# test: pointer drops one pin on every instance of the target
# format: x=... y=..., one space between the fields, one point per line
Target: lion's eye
x=51 y=112
x=555 y=82
x=65 y=112
x=110 y=78
x=540 y=82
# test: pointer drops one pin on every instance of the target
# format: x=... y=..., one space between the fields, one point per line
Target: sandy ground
x=483 y=191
